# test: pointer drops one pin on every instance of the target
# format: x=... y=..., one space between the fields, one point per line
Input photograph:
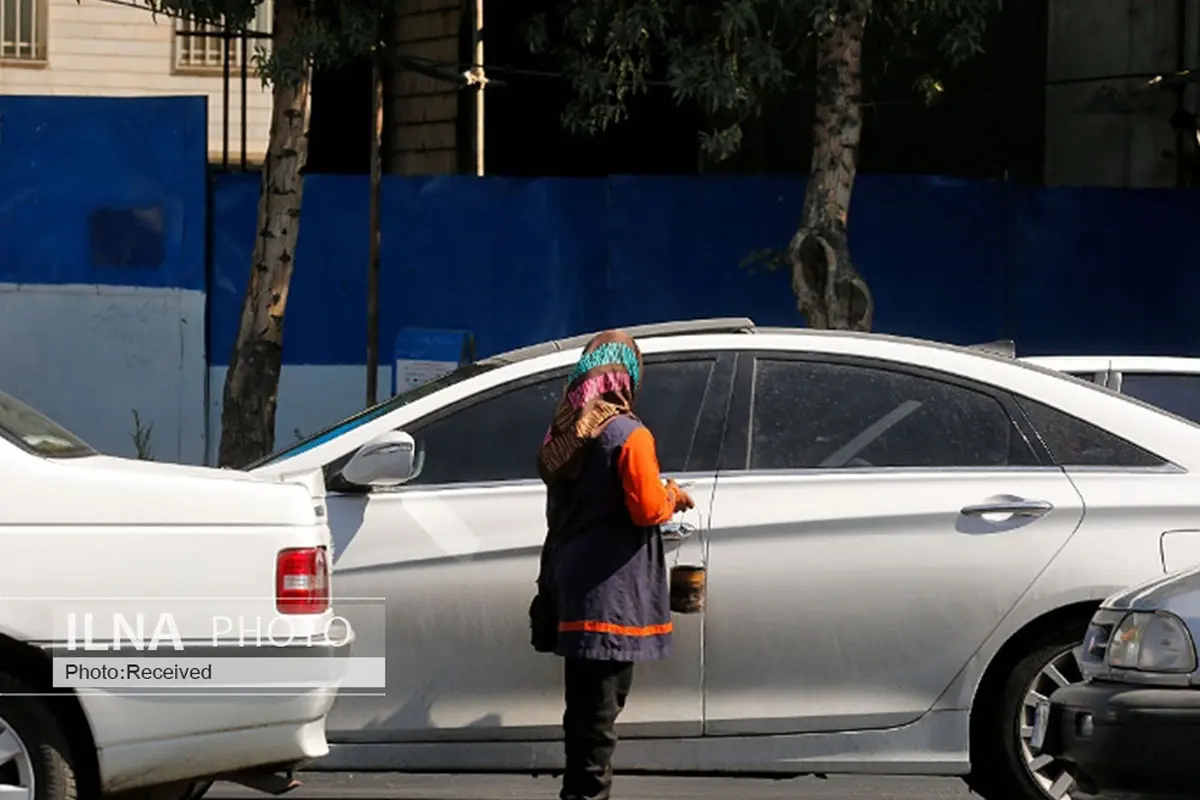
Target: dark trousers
x=595 y=694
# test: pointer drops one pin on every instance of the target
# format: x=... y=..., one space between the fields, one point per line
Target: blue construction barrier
x=106 y=191
x=103 y=191
x=519 y=261
x=102 y=266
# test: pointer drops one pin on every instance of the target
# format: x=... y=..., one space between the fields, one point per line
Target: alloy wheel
x=1047 y=772
x=16 y=767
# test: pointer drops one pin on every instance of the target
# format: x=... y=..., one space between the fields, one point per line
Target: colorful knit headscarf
x=602 y=386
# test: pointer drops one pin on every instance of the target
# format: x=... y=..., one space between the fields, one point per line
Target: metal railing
x=227 y=37
x=203 y=46
x=22 y=30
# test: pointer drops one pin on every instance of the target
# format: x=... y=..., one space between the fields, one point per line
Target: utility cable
x=467 y=74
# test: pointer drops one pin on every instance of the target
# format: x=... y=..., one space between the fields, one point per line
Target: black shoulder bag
x=543 y=609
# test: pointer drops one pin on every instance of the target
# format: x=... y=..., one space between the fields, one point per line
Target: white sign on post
x=411 y=373
x=426 y=354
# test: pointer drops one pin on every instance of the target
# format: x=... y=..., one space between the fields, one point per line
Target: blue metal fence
x=517 y=261
x=112 y=191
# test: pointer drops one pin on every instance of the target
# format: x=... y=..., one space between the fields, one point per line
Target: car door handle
x=676 y=531
x=1016 y=507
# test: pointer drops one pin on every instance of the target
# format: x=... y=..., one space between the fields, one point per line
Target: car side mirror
x=387 y=460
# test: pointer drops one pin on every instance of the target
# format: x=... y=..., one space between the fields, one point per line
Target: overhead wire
x=465 y=73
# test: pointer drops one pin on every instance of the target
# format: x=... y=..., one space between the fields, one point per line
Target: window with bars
x=199 y=46
x=22 y=30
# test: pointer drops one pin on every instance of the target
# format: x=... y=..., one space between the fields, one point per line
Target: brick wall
x=421 y=113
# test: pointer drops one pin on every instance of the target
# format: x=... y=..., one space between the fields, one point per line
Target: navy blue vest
x=608 y=575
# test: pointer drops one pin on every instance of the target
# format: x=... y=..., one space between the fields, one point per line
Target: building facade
x=116 y=48
x=422 y=114
x=1105 y=129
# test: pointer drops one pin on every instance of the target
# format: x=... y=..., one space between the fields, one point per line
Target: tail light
x=302 y=581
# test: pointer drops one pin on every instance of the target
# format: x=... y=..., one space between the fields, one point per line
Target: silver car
x=904 y=542
x=1134 y=726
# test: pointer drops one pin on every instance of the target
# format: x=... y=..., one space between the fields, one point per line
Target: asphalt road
x=392 y=786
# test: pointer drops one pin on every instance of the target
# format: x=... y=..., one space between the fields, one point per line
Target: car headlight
x=1152 y=642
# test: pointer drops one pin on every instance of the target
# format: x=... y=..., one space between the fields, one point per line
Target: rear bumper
x=1122 y=738
x=208 y=755
x=164 y=737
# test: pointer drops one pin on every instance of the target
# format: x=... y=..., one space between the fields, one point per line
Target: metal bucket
x=687 y=589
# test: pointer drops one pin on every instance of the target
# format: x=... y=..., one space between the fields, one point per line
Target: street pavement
x=397 y=786
x=394 y=786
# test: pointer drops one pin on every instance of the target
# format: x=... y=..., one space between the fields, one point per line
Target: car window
x=37 y=433
x=814 y=415
x=1075 y=443
x=497 y=439
x=492 y=440
x=1090 y=377
x=374 y=412
x=1177 y=393
x=669 y=404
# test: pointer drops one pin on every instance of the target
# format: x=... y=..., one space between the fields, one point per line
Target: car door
x=455 y=554
x=872 y=524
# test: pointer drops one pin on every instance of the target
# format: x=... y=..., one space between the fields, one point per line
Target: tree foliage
x=731 y=58
x=327 y=35
x=305 y=35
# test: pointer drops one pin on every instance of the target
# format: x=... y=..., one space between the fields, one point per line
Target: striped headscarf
x=602 y=386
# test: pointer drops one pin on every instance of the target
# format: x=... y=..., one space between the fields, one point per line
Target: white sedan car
x=101 y=552
x=1170 y=383
x=904 y=542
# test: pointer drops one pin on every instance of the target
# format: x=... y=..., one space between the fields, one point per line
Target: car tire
x=44 y=753
x=998 y=760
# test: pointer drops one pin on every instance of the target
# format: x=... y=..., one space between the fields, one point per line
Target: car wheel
x=35 y=761
x=1002 y=765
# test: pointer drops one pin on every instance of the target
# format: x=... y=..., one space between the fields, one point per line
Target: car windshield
x=374 y=412
x=37 y=433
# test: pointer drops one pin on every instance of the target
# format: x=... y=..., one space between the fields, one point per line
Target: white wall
x=103 y=49
x=88 y=356
x=311 y=398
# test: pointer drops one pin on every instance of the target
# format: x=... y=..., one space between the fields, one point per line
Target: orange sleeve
x=648 y=501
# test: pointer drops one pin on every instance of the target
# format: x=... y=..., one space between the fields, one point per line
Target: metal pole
x=245 y=68
x=225 y=96
x=477 y=57
x=373 y=214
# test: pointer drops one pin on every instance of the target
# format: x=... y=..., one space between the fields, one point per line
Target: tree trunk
x=251 y=385
x=373 y=227
x=829 y=291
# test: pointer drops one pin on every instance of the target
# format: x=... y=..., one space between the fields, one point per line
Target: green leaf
x=730 y=59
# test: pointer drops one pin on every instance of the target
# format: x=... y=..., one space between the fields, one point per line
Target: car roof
x=716 y=325
x=990 y=364
x=1071 y=363
x=1170 y=364
x=1155 y=364
x=744 y=325
x=678 y=328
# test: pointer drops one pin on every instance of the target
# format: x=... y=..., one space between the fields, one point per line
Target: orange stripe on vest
x=589 y=626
